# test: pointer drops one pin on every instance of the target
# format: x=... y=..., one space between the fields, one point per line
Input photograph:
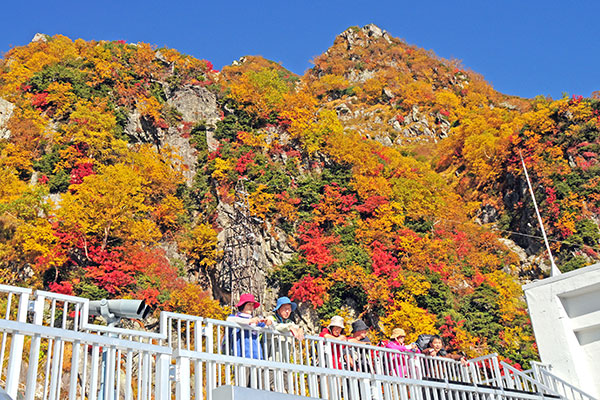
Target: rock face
x=194 y=104
x=6 y=111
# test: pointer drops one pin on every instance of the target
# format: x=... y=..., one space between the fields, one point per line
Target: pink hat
x=247 y=298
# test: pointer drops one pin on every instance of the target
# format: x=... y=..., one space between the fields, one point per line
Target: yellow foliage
x=160 y=170
x=107 y=205
x=252 y=139
x=169 y=210
x=94 y=124
x=200 y=245
x=412 y=285
x=330 y=83
x=260 y=202
x=11 y=187
x=373 y=89
x=61 y=97
x=317 y=133
x=192 y=300
x=299 y=109
x=221 y=166
x=412 y=319
x=261 y=92
x=472 y=346
x=35 y=238
x=15 y=157
x=509 y=294
x=149 y=108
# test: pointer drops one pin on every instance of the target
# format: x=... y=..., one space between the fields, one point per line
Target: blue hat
x=285 y=300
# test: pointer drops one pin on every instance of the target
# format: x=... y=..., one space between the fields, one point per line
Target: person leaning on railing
x=245 y=342
x=281 y=348
x=334 y=331
x=282 y=320
x=360 y=360
x=398 y=363
x=436 y=349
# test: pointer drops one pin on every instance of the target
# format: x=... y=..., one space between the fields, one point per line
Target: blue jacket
x=244 y=342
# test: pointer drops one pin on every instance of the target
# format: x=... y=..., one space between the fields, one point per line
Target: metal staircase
x=51 y=349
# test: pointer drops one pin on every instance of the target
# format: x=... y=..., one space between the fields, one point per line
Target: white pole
x=554 y=271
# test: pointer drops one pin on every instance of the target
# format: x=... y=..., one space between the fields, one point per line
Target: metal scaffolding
x=240 y=270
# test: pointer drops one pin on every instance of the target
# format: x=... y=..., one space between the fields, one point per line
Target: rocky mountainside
x=384 y=184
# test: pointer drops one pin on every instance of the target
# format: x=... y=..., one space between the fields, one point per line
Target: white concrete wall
x=565 y=313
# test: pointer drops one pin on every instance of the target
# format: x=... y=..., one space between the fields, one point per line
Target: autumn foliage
x=381 y=173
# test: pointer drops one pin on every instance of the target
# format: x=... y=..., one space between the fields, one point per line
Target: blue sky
x=525 y=48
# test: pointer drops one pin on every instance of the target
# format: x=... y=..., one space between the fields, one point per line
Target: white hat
x=336 y=321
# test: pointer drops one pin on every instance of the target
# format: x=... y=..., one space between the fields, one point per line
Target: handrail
x=560 y=386
x=194 y=352
x=534 y=385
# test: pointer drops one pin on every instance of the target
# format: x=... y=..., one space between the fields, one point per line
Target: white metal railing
x=520 y=380
x=541 y=373
x=51 y=351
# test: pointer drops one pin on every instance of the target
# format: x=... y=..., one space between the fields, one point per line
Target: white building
x=565 y=313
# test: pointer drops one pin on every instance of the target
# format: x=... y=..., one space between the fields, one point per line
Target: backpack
x=423 y=341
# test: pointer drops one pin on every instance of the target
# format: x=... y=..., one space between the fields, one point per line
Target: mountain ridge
x=368 y=182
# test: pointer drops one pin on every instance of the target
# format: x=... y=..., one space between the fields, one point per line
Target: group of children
x=247 y=343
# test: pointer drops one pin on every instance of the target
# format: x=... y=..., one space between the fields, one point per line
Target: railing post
x=34 y=351
x=16 y=350
x=163 y=386
x=182 y=377
x=200 y=331
x=497 y=373
x=76 y=346
x=211 y=370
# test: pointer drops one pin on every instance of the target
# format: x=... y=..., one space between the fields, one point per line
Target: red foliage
x=478 y=278
x=40 y=100
x=150 y=296
x=112 y=272
x=448 y=331
x=575 y=99
x=385 y=264
x=284 y=196
x=371 y=204
x=293 y=153
x=243 y=162
x=62 y=288
x=153 y=263
x=81 y=171
x=315 y=247
x=43 y=179
x=309 y=289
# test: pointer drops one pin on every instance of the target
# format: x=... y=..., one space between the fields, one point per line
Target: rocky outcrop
x=371 y=32
x=194 y=105
x=417 y=125
x=6 y=111
x=39 y=37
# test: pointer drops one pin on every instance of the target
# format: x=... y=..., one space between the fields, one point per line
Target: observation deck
x=51 y=351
